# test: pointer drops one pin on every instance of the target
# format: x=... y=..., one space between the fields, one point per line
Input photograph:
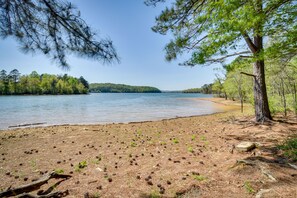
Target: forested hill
x=120 y=88
x=205 y=89
x=14 y=83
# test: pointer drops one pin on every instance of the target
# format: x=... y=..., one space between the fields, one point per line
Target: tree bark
x=262 y=111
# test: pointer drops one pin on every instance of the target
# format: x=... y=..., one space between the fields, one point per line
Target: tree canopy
x=15 y=84
x=54 y=28
x=216 y=30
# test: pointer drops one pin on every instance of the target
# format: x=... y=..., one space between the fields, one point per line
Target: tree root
x=258 y=164
x=57 y=194
x=261 y=192
x=33 y=186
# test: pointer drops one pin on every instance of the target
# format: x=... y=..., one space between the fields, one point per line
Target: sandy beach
x=186 y=157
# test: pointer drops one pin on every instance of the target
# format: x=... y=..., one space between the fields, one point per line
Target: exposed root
x=261 y=192
x=33 y=186
x=258 y=164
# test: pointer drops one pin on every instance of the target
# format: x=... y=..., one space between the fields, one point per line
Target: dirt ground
x=182 y=157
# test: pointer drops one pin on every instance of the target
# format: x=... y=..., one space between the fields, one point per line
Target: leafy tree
x=216 y=30
x=4 y=82
x=39 y=84
x=282 y=84
x=206 y=89
x=218 y=86
x=84 y=82
x=34 y=83
x=24 y=85
x=14 y=75
x=54 y=28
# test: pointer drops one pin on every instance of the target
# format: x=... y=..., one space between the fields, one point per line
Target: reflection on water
x=99 y=108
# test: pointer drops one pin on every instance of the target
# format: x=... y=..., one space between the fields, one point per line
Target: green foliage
x=290 y=148
x=54 y=28
x=120 y=88
x=175 y=141
x=193 y=90
x=59 y=171
x=203 y=138
x=153 y=194
x=133 y=144
x=205 y=89
x=212 y=30
x=81 y=165
x=190 y=149
x=16 y=84
x=199 y=177
x=247 y=185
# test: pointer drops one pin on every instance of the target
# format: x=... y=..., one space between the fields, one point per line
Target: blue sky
x=128 y=24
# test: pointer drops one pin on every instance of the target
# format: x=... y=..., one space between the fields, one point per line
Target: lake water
x=100 y=108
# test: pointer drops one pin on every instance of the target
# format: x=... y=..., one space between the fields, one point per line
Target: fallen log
x=32 y=186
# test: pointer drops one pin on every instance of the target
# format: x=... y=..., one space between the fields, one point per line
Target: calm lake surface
x=100 y=108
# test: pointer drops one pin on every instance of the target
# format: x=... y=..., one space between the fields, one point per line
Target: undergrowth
x=290 y=148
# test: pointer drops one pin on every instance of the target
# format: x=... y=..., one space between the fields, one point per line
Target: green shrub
x=290 y=148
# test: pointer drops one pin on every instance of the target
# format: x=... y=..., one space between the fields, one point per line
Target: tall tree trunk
x=295 y=98
x=284 y=96
x=260 y=93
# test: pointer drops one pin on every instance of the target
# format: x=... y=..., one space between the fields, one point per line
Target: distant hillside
x=193 y=90
x=120 y=88
x=205 y=89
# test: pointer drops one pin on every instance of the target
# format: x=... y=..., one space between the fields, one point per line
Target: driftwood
x=33 y=186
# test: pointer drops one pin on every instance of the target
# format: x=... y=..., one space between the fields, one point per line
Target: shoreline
x=220 y=106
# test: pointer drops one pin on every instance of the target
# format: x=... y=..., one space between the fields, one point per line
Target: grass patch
x=199 y=177
x=153 y=195
x=247 y=185
x=96 y=161
x=133 y=144
x=193 y=137
x=175 y=141
x=81 y=165
x=190 y=149
x=203 y=138
x=59 y=171
x=290 y=148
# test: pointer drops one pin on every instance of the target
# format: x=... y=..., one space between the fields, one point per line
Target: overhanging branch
x=221 y=59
